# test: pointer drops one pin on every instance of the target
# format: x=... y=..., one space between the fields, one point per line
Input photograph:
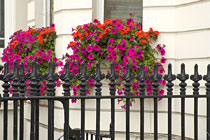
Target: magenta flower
x=149 y=90
x=16 y=56
x=130 y=20
x=55 y=59
x=91 y=80
x=131 y=39
x=163 y=60
x=101 y=52
x=31 y=40
x=111 y=40
x=96 y=21
x=164 y=82
x=123 y=46
x=114 y=21
x=96 y=38
x=117 y=67
x=60 y=63
x=90 y=56
x=96 y=47
x=88 y=37
x=48 y=58
x=91 y=85
x=52 y=25
x=162 y=51
x=134 y=62
x=119 y=92
x=89 y=48
x=134 y=68
x=39 y=60
x=114 y=31
x=110 y=48
x=92 y=33
x=118 y=26
x=76 y=56
x=85 y=26
x=44 y=57
x=49 y=52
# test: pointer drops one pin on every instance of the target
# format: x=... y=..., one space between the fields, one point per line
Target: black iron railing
x=18 y=79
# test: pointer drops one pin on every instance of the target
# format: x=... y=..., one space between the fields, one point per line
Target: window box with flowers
x=114 y=41
x=32 y=44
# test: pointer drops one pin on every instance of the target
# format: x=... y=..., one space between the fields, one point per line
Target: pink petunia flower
x=111 y=40
x=163 y=60
x=96 y=47
x=55 y=59
x=118 y=26
x=89 y=48
x=96 y=38
x=90 y=56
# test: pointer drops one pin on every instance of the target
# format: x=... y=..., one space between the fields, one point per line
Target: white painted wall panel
x=195 y=43
x=61 y=45
x=31 y=10
x=72 y=4
x=175 y=19
x=67 y=20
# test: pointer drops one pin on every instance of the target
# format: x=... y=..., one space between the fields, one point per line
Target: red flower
x=156 y=32
x=143 y=42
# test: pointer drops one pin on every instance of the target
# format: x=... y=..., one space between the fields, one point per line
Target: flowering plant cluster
x=119 y=42
x=32 y=44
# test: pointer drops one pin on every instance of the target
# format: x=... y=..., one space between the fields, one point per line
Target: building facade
x=184 y=27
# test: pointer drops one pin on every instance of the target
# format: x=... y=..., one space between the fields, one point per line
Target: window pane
x=120 y=9
x=2 y=18
x=1 y=43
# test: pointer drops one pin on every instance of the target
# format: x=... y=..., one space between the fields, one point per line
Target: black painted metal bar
x=182 y=77
x=112 y=77
x=22 y=93
x=39 y=78
x=82 y=76
x=98 y=77
x=169 y=77
x=196 y=78
x=60 y=98
x=155 y=77
x=141 y=77
x=66 y=77
x=33 y=88
x=51 y=76
x=6 y=78
x=207 y=79
x=32 y=129
x=91 y=136
x=127 y=77
x=87 y=136
x=15 y=85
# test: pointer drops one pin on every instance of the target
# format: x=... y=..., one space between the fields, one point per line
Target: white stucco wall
x=15 y=19
x=184 y=28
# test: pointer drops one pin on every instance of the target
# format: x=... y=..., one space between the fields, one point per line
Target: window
x=48 y=12
x=120 y=9
x=2 y=24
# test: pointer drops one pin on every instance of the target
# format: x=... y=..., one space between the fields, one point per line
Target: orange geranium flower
x=72 y=43
x=156 y=32
x=143 y=42
x=99 y=25
x=40 y=39
x=101 y=35
x=14 y=44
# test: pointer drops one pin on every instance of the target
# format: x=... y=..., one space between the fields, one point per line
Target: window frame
x=9 y=21
x=100 y=8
